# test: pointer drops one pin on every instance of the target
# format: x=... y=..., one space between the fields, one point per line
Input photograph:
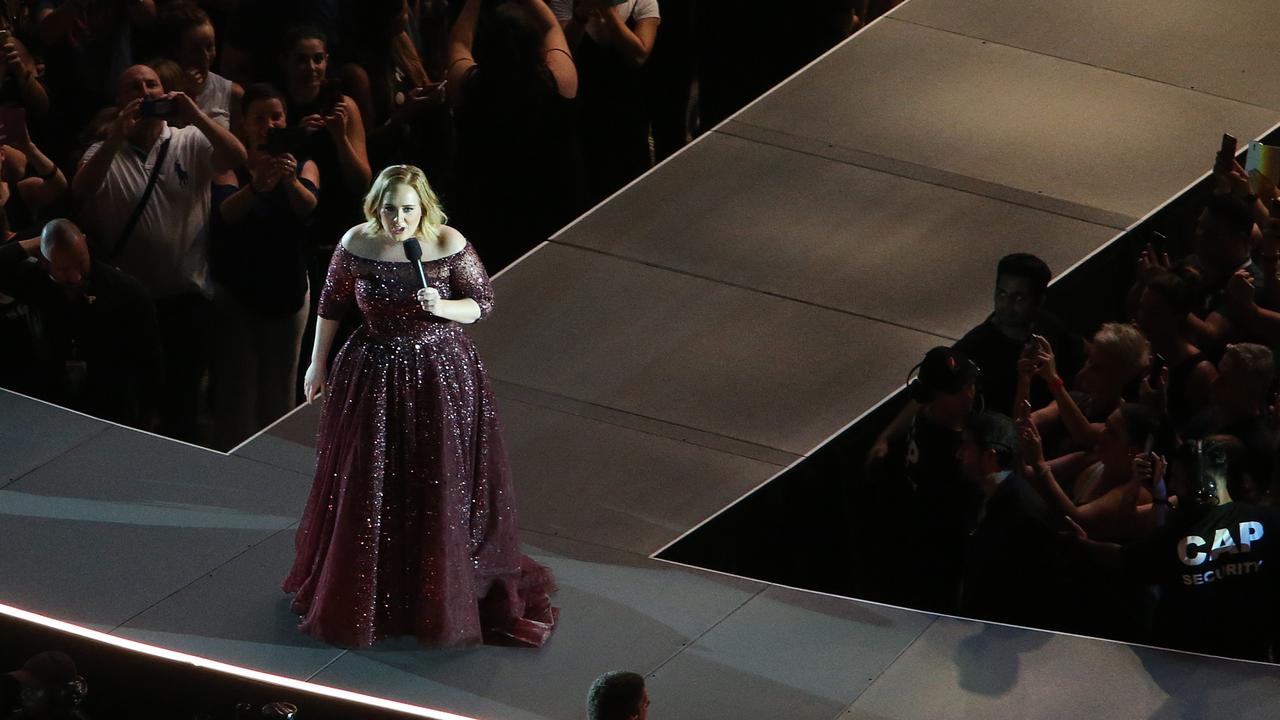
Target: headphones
x=958 y=366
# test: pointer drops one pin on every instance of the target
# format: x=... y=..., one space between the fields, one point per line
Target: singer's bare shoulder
x=450 y=241
x=358 y=242
x=354 y=239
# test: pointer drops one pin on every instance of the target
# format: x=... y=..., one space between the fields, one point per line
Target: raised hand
x=1029 y=437
x=1029 y=366
x=311 y=123
x=125 y=120
x=266 y=174
x=1047 y=363
x=1155 y=395
x=1230 y=177
x=286 y=166
x=1151 y=263
x=1240 y=291
x=184 y=109
x=418 y=101
x=336 y=121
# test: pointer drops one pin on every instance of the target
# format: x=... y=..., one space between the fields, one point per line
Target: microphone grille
x=413 y=249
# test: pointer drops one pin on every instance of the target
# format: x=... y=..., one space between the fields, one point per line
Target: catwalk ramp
x=708 y=326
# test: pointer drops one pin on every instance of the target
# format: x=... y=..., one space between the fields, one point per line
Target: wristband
x=1056 y=383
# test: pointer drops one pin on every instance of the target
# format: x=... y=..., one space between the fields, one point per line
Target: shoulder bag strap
x=142 y=201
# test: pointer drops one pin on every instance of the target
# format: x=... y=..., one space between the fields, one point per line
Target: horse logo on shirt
x=181 y=172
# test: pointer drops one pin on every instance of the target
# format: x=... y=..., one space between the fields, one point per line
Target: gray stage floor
x=684 y=342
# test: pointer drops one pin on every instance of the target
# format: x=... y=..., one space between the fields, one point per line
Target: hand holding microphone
x=428 y=296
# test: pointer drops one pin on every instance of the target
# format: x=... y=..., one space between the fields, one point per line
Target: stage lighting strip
x=200 y=662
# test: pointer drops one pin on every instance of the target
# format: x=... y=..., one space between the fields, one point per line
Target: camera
x=155 y=108
x=285 y=141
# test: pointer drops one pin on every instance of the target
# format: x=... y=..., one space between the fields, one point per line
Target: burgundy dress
x=411 y=527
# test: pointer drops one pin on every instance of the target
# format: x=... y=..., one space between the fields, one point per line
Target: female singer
x=410 y=527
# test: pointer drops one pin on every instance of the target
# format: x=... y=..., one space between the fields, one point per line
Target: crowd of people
x=176 y=174
x=1122 y=484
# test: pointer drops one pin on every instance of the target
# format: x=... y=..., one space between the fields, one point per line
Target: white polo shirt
x=628 y=10
x=168 y=249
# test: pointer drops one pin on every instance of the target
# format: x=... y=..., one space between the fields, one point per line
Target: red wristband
x=1056 y=383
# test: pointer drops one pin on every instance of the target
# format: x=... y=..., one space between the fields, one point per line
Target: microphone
x=413 y=251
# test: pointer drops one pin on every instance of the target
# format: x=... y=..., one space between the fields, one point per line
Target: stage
x=712 y=324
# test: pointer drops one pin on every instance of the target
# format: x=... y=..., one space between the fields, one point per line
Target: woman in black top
x=333 y=125
x=403 y=107
x=259 y=267
x=518 y=166
x=1163 y=308
x=611 y=42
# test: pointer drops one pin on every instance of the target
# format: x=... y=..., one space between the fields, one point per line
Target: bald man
x=160 y=238
x=94 y=343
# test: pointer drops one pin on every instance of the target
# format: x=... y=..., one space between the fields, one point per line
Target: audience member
x=935 y=495
x=1117 y=359
x=618 y=695
x=20 y=84
x=511 y=82
x=409 y=121
x=1009 y=573
x=1106 y=497
x=1164 y=309
x=145 y=193
x=1005 y=336
x=96 y=347
x=31 y=185
x=258 y=262
x=611 y=42
x=46 y=687
x=191 y=41
x=87 y=46
x=1223 y=233
x=1241 y=390
x=251 y=44
x=335 y=130
x=1212 y=560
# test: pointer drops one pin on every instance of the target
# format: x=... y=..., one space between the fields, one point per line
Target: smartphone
x=156 y=108
x=5 y=34
x=1159 y=242
x=1158 y=365
x=285 y=141
x=1228 y=149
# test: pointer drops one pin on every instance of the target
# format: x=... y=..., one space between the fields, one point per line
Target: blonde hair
x=1126 y=346
x=433 y=217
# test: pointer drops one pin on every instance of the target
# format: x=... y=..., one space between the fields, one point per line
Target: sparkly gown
x=410 y=528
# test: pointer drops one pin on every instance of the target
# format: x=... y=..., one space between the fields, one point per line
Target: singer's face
x=401 y=212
